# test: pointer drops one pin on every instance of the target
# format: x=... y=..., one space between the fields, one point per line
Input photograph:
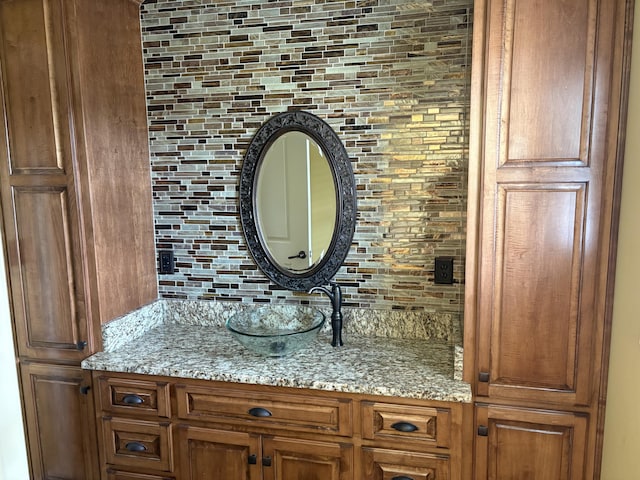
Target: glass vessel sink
x=276 y=330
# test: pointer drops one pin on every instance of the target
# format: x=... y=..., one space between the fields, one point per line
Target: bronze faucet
x=335 y=295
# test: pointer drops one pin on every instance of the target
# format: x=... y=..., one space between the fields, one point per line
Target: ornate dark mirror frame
x=345 y=187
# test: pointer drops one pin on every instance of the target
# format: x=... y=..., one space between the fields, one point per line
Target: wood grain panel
x=549 y=94
x=115 y=475
x=47 y=293
x=218 y=454
x=531 y=444
x=60 y=422
x=113 y=156
x=297 y=458
x=433 y=425
x=540 y=82
x=138 y=443
x=35 y=83
x=382 y=464
x=134 y=397
x=304 y=413
x=539 y=245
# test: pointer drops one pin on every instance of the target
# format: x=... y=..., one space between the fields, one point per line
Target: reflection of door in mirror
x=295 y=198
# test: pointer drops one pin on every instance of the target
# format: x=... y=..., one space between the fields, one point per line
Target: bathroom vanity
x=164 y=427
x=183 y=399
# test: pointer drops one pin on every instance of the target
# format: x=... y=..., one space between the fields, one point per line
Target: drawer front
x=384 y=421
x=383 y=464
x=137 y=397
x=294 y=412
x=138 y=443
x=116 y=475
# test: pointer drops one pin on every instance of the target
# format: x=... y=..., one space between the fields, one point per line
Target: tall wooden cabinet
x=548 y=109
x=76 y=206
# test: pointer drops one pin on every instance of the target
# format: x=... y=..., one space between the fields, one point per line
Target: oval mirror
x=297 y=200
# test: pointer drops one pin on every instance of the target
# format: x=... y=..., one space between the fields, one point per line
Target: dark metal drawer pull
x=483 y=431
x=135 y=447
x=132 y=400
x=259 y=412
x=253 y=460
x=266 y=461
x=404 y=427
x=401 y=477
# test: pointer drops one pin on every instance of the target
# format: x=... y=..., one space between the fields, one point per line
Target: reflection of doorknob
x=300 y=254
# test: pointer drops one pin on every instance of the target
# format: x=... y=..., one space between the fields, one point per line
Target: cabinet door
x=37 y=185
x=287 y=459
x=546 y=144
x=218 y=454
x=59 y=415
x=517 y=443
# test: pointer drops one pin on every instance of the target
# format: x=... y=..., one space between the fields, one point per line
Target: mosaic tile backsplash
x=392 y=79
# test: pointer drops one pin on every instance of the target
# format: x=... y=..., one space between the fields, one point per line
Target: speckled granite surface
x=371 y=365
x=132 y=326
x=361 y=322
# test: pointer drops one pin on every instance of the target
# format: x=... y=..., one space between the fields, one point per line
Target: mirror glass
x=295 y=202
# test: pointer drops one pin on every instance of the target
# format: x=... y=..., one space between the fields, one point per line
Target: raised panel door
x=518 y=443
x=288 y=458
x=48 y=322
x=34 y=77
x=60 y=422
x=206 y=453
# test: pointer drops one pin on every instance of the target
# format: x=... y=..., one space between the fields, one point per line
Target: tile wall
x=392 y=79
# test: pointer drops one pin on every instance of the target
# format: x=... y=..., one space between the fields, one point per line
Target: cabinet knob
x=81 y=345
x=253 y=460
x=84 y=389
x=404 y=427
x=135 y=447
x=483 y=377
x=259 y=412
x=401 y=477
x=483 y=430
x=266 y=461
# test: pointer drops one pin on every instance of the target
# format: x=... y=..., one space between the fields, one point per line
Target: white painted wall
x=13 y=452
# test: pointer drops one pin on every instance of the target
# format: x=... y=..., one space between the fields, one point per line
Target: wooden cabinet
x=219 y=454
x=533 y=444
x=59 y=405
x=249 y=432
x=75 y=195
x=223 y=454
x=547 y=108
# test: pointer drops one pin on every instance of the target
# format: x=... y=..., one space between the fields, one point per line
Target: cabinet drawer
x=383 y=421
x=383 y=464
x=295 y=412
x=115 y=475
x=137 y=397
x=138 y=443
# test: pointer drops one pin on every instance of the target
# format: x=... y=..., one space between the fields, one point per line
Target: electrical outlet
x=443 y=271
x=167 y=263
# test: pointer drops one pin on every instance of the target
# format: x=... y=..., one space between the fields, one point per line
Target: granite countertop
x=410 y=368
